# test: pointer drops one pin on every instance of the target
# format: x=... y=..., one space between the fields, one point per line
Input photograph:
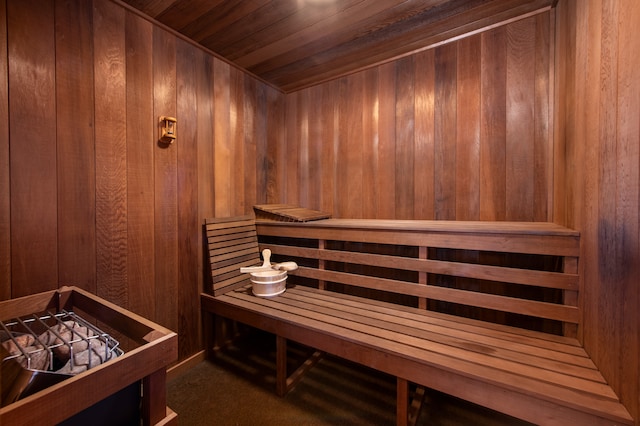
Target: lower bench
x=540 y=377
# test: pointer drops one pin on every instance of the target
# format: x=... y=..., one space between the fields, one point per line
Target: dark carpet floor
x=238 y=388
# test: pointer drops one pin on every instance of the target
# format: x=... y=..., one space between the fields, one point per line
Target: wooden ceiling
x=293 y=44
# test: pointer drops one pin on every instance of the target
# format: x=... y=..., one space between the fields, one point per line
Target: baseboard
x=185 y=365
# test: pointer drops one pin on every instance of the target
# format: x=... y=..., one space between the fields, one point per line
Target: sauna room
x=290 y=212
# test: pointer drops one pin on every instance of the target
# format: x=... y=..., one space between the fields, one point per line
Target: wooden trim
x=185 y=365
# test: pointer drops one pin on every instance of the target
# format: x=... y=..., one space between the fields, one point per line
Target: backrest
x=522 y=274
x=232 y=244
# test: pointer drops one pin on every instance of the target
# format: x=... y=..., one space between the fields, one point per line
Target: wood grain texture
x=110 y=143
x=599 y=131
x=141 y=136
x=520 y=119
x=187 y=194
x=222 y=138
x=468 y=129
x=405 y=138
x=145 y=237
x=296 y=45
x=76 y=156
x=32 y=126
x=493 y=125
x=165 y=183
x=424 y=185
x=5 y=183
x=448 y=133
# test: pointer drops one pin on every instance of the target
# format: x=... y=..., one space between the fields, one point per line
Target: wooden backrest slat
x=542 y=238
x=466 y=270
x=538 y=309
x=232 y=244
x=463 y=264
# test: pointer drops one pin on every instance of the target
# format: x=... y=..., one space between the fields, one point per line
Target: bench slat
x=527 y=355
x=407 y=342
x=512 y=334
x=500 y=303
x=422 y=320
x=398 y=356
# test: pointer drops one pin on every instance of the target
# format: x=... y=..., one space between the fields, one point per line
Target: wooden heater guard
x=156 y=347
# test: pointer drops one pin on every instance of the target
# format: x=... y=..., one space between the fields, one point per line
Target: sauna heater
x=60 y=365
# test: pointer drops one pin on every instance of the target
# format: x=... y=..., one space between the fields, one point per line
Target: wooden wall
x=87 y=195
x=461 y=131
x=598 y=153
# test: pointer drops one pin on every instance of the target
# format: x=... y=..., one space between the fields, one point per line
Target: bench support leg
x=281 y=366
x=402 y=402
x=285 y=383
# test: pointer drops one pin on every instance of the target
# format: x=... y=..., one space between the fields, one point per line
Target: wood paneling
x=187 y=186
x=295 y=44
x=456 y=132
x=141 y=132
x=32 y=128
x=95 y=200
x=110 y=145
x=598 y=132
x=5 y=184
x=75 y=157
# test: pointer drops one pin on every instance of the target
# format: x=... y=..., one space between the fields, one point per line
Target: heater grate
x=61 y=342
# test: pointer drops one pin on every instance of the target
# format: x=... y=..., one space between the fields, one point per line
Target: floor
x=238 y=388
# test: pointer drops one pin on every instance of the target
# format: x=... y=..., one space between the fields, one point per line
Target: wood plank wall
x=461 y=131
x=598 y=163
x=87 y=195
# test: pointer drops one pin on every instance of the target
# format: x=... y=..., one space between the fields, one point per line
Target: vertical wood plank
x=386 y=143
x=32 y=126
x=237 y=132
x=579 y=68
x=424 y=135
x=5 y=184
x=628 y=202
x=316 y=130
x=445 y=132
x=262 y=130
x=609 y=246
x=370 y=117
x=329 y=117
x=468 y=129
x=290 y=154
x=76 y=149
x=342 y=151
x=405 y=138
x=222 y=138
x=204 y=134
x=302 y=141
x=351 y=146
x=165 y=183
x=111 y=166
x=276 y=142
x=187 y=184
x=493 y=126
x=141 y=141
x=251 y=136
x=520 y=119
x=542 y=141
x=204 y=140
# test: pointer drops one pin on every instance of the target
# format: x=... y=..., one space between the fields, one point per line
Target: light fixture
x=167 y=129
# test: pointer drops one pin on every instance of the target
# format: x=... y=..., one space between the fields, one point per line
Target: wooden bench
x=368 y=291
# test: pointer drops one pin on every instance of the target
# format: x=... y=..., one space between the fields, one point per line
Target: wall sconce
x=167 y=129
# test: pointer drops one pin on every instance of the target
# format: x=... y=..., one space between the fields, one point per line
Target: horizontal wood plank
x=578 y=388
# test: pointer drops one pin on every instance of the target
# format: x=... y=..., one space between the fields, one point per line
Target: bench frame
x=542 y=402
